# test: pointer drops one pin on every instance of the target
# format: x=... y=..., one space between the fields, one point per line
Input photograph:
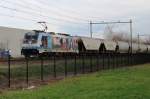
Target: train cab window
x=30 y=37
x=44 y=41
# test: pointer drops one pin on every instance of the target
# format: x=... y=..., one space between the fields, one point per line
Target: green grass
x=124 y=83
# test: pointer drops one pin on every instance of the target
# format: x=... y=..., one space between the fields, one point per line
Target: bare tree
x=147 y=40
x=115 y=36
x=111 y=34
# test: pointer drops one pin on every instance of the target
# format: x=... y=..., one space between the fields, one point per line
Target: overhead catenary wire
x=69 y=18
x=40 y=16
x=37 y=14
x=20 y=17
x=59 y=7
x=56 y=11
x=34 y=20
x=73 y=17
x=86 y=18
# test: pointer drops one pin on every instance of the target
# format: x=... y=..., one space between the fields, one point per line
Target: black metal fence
x=29 y=71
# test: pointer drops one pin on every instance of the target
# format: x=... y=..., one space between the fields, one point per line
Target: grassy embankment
x=123 y=83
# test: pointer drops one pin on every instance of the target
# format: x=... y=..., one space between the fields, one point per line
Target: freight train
x=37 y=43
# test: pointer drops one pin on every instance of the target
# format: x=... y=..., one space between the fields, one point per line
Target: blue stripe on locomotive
x=49 y=42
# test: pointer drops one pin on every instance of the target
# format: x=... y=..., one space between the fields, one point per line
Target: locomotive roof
x=63 y=34
x=37 y=31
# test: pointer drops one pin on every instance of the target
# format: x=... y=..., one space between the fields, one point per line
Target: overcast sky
x=73 y=16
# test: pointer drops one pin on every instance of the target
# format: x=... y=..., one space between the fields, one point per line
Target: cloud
x=96 y=10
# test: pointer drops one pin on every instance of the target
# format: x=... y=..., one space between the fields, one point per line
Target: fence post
x=118 y=55
x=108 y=55
x=117 y=63
x=125 y=59
x=99 y=61
x=91 y=68
x=121 y=59
x=75 y=65
x=139 y=62
x=27 y=72
x=113 y=57
x=9 y=71
x=103 y=62
x=132 y=59
x=41 y=68
x=66 y=65
x=83 y=64
x=128 y=60
x=148 y=57
x=142 y=58
x=136 y=62
x=54 y=57
x=139 y=58
x=120 y=62
x=97 y=58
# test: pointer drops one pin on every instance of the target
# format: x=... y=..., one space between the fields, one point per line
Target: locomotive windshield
x=30 y=37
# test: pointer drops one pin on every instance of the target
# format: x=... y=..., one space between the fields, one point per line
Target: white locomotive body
x=39 y=42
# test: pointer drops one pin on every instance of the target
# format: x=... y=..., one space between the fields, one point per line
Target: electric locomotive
x=39 y=42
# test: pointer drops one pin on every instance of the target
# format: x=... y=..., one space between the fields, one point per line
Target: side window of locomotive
x=71 y=43
x=76 y=44
x=49 y=40
x=67 y=43
x=30 y=38
x=27 y=38
x=61 y=41
x=44 y=41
